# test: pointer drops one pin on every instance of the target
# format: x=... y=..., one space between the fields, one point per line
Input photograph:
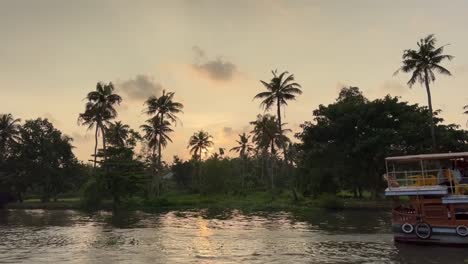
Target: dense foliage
x=340 y=150
x=344 y=147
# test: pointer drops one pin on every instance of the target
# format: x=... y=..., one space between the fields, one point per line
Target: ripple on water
x=207 y=236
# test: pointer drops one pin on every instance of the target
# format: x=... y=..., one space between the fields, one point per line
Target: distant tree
x=345 y=145
x=157 y=136
x=422 y=63
x=156 y=133
x=124 y=175
x=99 y=111
x=200 y=142
x=183 y=172
x=43 y=158
x=279 y=90
x=266 y=134
x=243 y=148
x=9 y=133
x=117 y=133
x=163 y=110
x=121 y=135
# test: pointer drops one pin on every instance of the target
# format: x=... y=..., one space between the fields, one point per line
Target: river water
x=208 y=236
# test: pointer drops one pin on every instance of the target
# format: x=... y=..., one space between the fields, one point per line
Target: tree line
x=342 y=148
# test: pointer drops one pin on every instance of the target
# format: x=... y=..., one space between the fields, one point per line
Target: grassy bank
x=258 y=201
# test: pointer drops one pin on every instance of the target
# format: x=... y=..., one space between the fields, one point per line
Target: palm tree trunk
x=280 y=127
x=152 y=188
x=431 y=113
x=278 y=112
x=159 y=147
x=95 y=145
x=103 y=131
x=199 y=169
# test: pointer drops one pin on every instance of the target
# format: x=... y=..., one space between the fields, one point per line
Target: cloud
x=228 y=131
x=215 y=69
x=199 y=53
x=141 y=87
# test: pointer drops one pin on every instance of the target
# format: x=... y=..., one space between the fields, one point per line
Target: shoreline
x=253 y=202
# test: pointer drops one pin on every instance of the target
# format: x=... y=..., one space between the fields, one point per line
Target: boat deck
x=455 y=199
x=417 y=190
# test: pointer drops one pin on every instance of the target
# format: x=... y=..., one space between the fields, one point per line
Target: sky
x=212 y=54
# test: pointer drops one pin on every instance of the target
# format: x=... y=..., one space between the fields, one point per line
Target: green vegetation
x=254 y=201
x=335 y=161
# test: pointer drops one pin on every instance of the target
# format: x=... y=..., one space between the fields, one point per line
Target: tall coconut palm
x=266 y=133
x=279 y=90
x=200 y=142
x=99 y=111
x=157 y=134
x=422 y=63
x=9 y=132
x=163 y=108
x=117 y=133
x=243 y=146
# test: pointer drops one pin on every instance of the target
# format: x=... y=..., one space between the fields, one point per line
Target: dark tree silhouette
x=163 y=108
x=279 y=90
x=100 y=111
x=9 y=129
x=422 y=63
x=200 y=142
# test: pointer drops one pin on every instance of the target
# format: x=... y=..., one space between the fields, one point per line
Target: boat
x=430 y=198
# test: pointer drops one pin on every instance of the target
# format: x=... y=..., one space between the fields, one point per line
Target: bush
x=330 y=201
x=92 y=193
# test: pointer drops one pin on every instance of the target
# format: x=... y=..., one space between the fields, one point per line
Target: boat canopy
x=438 y=156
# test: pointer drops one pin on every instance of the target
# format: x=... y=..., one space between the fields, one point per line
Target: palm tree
x=99 y=111
x=279 y=91
x=266 y=135
x=243 y=148
x=422 y=63
x=117 y=133
x=163 y=107
x=9 y=132
x=200 y=142
x=156 y=133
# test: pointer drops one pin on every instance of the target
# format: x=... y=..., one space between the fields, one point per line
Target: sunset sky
x=212 y=54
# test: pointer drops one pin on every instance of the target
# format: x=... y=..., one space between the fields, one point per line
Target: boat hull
x=439 y=235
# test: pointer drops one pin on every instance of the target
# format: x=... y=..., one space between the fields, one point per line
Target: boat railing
x=425 y=178
x=413 y=178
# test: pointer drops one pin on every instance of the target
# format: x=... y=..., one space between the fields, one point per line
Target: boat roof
x=453 y=155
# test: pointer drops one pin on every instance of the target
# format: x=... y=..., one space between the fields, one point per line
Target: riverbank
x=259 y=201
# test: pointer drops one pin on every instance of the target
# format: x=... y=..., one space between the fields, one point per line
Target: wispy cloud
x=216 y=69
x=141 y=87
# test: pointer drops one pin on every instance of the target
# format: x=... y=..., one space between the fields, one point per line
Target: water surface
x=208 y=236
